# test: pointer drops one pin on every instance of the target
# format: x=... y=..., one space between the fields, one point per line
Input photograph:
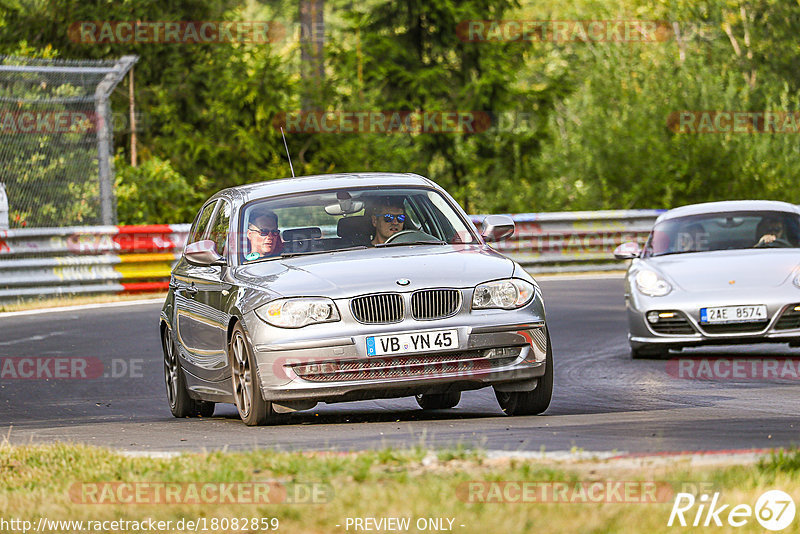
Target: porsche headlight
x=298 y=312
x=505 y=294
x=651 y=283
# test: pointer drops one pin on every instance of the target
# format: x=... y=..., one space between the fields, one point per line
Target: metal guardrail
x=574 y=241
x=41 y=262
x=94 y=259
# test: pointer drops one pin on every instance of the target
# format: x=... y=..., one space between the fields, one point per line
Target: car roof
x=729 y=205
x=301 y=184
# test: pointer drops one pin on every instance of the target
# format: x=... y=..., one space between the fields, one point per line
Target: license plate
x=414 y=342
x=732 y=314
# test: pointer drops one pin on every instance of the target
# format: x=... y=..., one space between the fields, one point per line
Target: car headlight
x=504 y=294
x=651 y=283
x=298 y=312
x=797 y=280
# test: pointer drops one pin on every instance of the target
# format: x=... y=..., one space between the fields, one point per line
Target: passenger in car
x=263 y=235
x=388 y=218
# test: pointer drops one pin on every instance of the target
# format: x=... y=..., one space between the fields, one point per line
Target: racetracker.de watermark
x=176 y=32
x=68 y=368
x=50 y=122
x=728 y=121
x=571 y=31
x=172 y=493
x=576 y=492
x=734 y=368
x=383 y=122
x=44 y=122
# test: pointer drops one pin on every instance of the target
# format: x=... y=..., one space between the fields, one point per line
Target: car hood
x=720 y=269
x=357 y=272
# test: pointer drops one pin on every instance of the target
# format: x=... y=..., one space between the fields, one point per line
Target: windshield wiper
x=309 y=252
x=396 y=244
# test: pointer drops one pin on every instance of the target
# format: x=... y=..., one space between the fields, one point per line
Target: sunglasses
x=388 y=217
x=264 y=232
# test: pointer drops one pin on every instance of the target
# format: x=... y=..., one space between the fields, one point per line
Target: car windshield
x=330 y=221
x=724 y=231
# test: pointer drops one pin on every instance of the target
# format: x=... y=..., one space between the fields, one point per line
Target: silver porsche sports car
x=715 y=273
x=349 y=287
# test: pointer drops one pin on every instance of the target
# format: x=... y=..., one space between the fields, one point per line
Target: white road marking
x=82 y=307
x=31 y=338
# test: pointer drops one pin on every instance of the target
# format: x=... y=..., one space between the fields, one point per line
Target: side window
x=451 y=226
x=201 y=223
x=219 y=228
x=413 y=221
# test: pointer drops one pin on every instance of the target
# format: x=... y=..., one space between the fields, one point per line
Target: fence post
x=102 y=119
x=104 y=162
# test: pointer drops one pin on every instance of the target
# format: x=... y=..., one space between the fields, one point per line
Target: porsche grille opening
x=675 y=325
x=735 y=328
x=790 y=319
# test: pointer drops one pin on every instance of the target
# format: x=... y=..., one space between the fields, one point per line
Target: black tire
x=650 y=352
x=180 y=403
x=438 y=401
x=530 y=402
x=252 y=407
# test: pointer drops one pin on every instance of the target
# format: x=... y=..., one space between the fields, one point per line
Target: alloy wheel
x=242 y=374
x=170 y=367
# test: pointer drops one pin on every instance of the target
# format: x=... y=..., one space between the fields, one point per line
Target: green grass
x=416 y=483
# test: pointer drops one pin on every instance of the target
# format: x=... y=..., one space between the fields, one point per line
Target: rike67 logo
x=774 y=510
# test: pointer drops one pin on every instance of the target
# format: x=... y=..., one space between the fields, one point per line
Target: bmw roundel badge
x=403 y=282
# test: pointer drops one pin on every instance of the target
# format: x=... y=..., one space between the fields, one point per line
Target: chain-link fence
x=56 y=140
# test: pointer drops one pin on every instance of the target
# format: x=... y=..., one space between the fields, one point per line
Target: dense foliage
x=575 y=125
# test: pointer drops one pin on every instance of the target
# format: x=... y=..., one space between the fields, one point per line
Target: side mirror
x=497 y=227
x=627 y=251
x=203 y=253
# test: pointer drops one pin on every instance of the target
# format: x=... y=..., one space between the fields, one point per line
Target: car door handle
x=191 y=290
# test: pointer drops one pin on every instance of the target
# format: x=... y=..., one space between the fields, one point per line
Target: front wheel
x=438 y=401
x=252 y=407
x=530 y=402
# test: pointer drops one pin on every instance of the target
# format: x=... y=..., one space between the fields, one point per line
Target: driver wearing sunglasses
x=264 y=236
x=388 y=218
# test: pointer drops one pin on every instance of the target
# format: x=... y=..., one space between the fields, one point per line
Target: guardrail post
x=3 y=207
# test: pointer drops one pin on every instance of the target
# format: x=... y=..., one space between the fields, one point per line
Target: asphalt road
x=603 y=400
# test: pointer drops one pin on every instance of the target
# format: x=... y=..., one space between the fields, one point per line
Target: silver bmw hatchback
x=348 y=287
x=715 y=273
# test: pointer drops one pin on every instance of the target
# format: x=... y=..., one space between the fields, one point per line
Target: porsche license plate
x=733 y=314
x=414 y=342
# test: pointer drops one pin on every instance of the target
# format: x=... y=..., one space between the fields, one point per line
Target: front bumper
x=684 y=330
x=320 y=364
